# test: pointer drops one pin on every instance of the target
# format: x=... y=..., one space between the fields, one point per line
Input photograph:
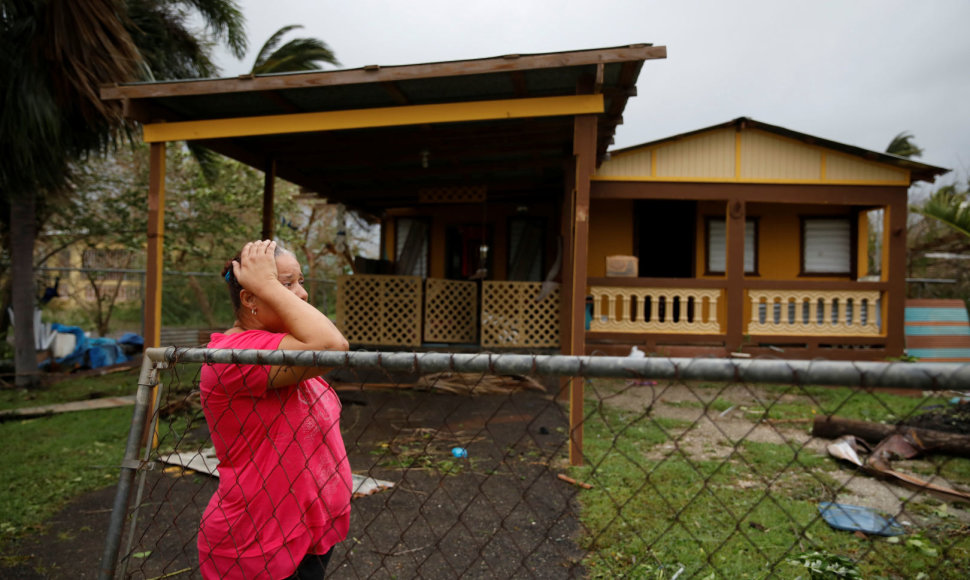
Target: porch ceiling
x=374 y=168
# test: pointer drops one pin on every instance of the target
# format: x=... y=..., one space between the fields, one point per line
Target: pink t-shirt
x=284 y=479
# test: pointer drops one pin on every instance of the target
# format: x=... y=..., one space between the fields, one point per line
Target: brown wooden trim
x=868 y=195
x=584 y=151
x=269 y=194
x=896 y=293
x=379 y=74
x=734 y=294
x=156 y=245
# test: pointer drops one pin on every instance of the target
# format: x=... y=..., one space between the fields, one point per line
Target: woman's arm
x=306 y=327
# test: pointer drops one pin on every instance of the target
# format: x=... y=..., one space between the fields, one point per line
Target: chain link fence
x=473 y=466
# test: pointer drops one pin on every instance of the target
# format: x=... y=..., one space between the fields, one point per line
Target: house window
x=411 y=247
x=717 y=246
x=826 y=246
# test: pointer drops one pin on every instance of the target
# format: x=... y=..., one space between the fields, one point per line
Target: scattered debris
x=205 y=461
x=854 y=518
x=877 y=463
x=830 y=427
x=41 y=411
x=572 y=481
x=476 y=384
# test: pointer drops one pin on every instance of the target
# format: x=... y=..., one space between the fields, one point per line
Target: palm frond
x=297 y=55
x=270 y=45
x=903 y=146
x=225 y=19
x=949 y=206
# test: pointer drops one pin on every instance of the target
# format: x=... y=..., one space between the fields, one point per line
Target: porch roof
x=375 y=137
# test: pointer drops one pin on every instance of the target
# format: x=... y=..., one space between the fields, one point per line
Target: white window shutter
x=828 y=246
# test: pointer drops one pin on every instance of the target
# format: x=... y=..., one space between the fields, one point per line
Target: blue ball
x=459 y=452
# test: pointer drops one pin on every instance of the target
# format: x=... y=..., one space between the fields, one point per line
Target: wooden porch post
x=584 y=152
x=156 y=239
x=269 y=184
x=735 y=222
x=894 y=240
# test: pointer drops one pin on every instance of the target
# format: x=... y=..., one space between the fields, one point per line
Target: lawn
x=49 y=460
x=672 y=495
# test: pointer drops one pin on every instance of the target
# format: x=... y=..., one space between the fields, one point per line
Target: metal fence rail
x=474 y=465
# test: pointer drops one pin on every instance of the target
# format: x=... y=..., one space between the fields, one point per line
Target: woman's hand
x=257 y=265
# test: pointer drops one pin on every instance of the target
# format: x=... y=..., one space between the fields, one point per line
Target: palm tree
x=902 y=145
x=298 y=54
x=950 y=206
x=54 y=56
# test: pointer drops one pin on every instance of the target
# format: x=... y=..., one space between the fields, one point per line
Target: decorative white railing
x=665 y=310
x=815 y=312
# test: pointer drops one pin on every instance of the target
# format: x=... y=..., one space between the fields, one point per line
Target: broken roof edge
x=920 y=171
x=376 y=73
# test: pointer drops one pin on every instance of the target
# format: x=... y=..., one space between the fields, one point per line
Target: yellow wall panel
x=707 y=155
x=844 y=168
x=610 y=232
x=766 y=156
x=630 y=164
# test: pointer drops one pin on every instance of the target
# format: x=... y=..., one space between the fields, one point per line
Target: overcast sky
x=853 y=71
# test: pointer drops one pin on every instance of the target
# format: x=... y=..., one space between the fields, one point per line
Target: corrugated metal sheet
x=937 y=330
x=765 y=156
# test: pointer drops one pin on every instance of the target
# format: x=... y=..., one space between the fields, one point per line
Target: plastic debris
x=853 y=518
x=459 y=452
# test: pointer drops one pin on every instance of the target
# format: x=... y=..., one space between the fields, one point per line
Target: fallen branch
x=831 y=427
x=568 y=479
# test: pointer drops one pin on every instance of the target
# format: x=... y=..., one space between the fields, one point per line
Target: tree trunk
x=204 y=305
x=22 y=234
x=831 y=427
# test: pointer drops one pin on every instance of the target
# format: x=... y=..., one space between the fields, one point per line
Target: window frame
x=852 y=249
x=754 y=220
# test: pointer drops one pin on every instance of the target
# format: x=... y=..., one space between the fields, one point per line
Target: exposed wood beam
x=378 y=117
x=396 y=93
x=373 y=74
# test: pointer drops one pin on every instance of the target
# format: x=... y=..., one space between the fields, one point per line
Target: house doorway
x=468 y=252
x=665 y=237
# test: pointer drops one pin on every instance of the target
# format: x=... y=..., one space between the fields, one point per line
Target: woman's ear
x=247 y=299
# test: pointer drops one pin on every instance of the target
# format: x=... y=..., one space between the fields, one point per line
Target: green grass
x=654 y=509
x=72 y=388
x=48 y=461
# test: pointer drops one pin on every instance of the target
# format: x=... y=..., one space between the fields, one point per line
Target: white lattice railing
x=450 y=311
x=815 y=312
x=520 y=314
x=380 y=310
x=665 y=310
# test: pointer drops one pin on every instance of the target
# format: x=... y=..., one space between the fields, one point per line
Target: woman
x=284 y=491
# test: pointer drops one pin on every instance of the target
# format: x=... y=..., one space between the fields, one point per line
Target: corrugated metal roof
x=377 y=168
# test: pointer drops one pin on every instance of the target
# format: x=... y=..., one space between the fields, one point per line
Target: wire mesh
x=690 y=468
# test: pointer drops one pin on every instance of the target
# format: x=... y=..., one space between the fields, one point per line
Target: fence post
x=129 y=466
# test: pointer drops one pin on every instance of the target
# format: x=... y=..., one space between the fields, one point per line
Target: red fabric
x=284 y=479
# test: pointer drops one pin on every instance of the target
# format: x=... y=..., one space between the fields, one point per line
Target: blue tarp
x=89 y=353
